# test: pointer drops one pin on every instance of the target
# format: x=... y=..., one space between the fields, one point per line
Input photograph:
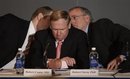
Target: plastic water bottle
x=20 y=59
x=126 y=50
x=93 y=58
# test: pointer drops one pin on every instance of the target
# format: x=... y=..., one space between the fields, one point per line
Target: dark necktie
x=30 y=39
x=88 y=41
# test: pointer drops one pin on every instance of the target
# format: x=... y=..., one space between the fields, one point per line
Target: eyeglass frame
x=74 y=17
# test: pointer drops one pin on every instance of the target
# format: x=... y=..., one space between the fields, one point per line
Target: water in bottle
x=126 y=50
x=93 y=58
x=19 y=65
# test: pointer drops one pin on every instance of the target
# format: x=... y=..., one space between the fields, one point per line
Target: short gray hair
x=84 y=10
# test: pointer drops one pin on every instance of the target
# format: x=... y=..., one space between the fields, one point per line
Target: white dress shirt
x=31 y=31
x=86 y=30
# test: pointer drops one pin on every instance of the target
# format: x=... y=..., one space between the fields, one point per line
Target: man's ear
x=87 y=18
x=39 y=16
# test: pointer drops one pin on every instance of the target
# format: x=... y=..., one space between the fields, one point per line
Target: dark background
x=116 y=10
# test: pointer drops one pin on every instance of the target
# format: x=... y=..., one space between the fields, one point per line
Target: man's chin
x=59 y=39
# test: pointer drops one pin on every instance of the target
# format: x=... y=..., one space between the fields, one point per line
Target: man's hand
x=69 y=61
x=114 y=63
x=54 y=63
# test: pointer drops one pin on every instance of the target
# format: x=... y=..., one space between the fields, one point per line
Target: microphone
x=45 y=56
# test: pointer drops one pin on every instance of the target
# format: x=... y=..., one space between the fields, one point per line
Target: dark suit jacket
x=13 y=31
x=108 y=38
x=75 y=46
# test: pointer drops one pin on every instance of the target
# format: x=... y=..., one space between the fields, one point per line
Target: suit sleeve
x=113 y=30
x=35 y=57
x=116 y=33
x=8 y=38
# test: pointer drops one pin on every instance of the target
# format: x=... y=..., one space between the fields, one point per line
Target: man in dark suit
x=14 y=33
x=106 y=36
x=74 y=48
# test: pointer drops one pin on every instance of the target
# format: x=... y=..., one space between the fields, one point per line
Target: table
x=65 y=74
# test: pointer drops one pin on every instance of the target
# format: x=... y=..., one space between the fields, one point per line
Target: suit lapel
x=52 y=47
x=22 y=33
x=90 y=35
x=66 y=45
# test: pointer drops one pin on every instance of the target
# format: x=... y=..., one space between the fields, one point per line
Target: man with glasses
x=63 y=45
x=103 y=34
x=15 y=32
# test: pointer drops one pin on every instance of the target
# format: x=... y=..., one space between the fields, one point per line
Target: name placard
x=84 y=72
x=37 y=72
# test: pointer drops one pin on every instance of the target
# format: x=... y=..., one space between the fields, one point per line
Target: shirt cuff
x=122 y=57
x=64 y=65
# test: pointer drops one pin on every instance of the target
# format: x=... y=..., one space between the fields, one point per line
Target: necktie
x=58 y=49
x=88 y=41
x=30 y=39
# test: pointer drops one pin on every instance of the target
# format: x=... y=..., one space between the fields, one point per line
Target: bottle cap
x=19 y=49
x=93 y=48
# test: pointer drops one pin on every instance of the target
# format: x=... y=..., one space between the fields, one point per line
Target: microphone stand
x=45 y=56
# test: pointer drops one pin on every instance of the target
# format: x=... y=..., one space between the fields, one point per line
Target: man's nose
x=58 y=32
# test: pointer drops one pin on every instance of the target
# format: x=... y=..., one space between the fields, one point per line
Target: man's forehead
x=76 y=12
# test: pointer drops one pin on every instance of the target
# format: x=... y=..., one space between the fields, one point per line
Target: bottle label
x=18 y=64
x=93 y=63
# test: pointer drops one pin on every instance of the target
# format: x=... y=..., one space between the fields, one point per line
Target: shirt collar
x=87 y=29
x=56 y=42
x=32 y=29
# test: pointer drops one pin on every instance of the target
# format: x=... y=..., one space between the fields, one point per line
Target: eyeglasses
x=76 y=17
